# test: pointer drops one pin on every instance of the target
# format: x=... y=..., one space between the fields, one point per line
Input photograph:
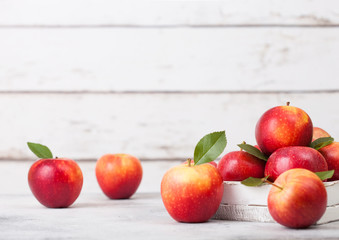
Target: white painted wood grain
x=149 y=126
x=168 y=13
x=215 y=59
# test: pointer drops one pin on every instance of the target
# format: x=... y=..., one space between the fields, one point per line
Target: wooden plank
x=215 y=59
x=149 y=126
x=241 y=203
x=168 y=13
x=94 y=216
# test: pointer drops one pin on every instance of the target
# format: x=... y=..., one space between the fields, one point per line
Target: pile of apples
x=284 y=135
x=291 y=155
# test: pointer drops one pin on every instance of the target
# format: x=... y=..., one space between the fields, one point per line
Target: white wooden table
x=150 y=78
x=93 y=216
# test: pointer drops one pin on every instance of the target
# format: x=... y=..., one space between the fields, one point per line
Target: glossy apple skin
x=331 y=154
x=283 y=126
x=118 y=175
x=301 y=203
x=214 y=164
x=239 y=165
x=257 y=147
x=294 y=157
x=319 y=133
x=56 y=183
x=192 y=194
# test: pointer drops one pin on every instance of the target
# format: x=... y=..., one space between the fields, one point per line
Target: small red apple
x=331 y=154
x=118 y=175
x=294 y=157
x=192 y=193
x=55 y=182
x=319 y=133
x=239 y=165
x=283 y=126
x=300 y=201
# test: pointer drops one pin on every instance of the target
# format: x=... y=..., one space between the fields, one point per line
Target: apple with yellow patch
x=298 y=198
x=192 y=193
x=118 y=175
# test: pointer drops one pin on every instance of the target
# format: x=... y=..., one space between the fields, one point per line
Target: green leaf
x=209 y=147
x=39 y=150
x=253 y=151
x=325 y=174
x=254 y=182
x=321 y=142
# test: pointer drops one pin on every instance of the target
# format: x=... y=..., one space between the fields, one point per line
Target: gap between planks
x=18 y=26
x=169 y=92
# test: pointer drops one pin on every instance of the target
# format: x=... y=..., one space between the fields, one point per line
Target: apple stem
x=288 y=103
x=273 y=184
x=243 y=142
x=189 y=162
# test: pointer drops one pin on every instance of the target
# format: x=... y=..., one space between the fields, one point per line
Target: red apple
x=319 y=133
x=257 y=147
x=192 y=193
x=214 y=164
x=331 y=154
x=56 y=183
x=118 y=175
x=300 y=202
x=294 y=157
x=239 y=165
x=283 y=126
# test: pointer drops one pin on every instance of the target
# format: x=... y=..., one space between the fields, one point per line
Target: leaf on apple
x=253 y=151
x=254 y=182
x=40 y=150
x=325 y=174
x=321 y=142
x=209 y=147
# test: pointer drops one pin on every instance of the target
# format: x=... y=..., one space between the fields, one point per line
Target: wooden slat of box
x=242 y=203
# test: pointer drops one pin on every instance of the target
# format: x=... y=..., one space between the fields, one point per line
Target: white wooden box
x=242 y=203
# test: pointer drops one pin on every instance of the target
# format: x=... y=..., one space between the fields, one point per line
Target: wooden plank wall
x=150 y=78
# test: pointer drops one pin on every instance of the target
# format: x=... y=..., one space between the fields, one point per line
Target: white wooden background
x=150 y=78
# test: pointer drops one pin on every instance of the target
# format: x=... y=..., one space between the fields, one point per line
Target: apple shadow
x=104 y=201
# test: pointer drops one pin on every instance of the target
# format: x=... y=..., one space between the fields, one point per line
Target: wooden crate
x=242 y=203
